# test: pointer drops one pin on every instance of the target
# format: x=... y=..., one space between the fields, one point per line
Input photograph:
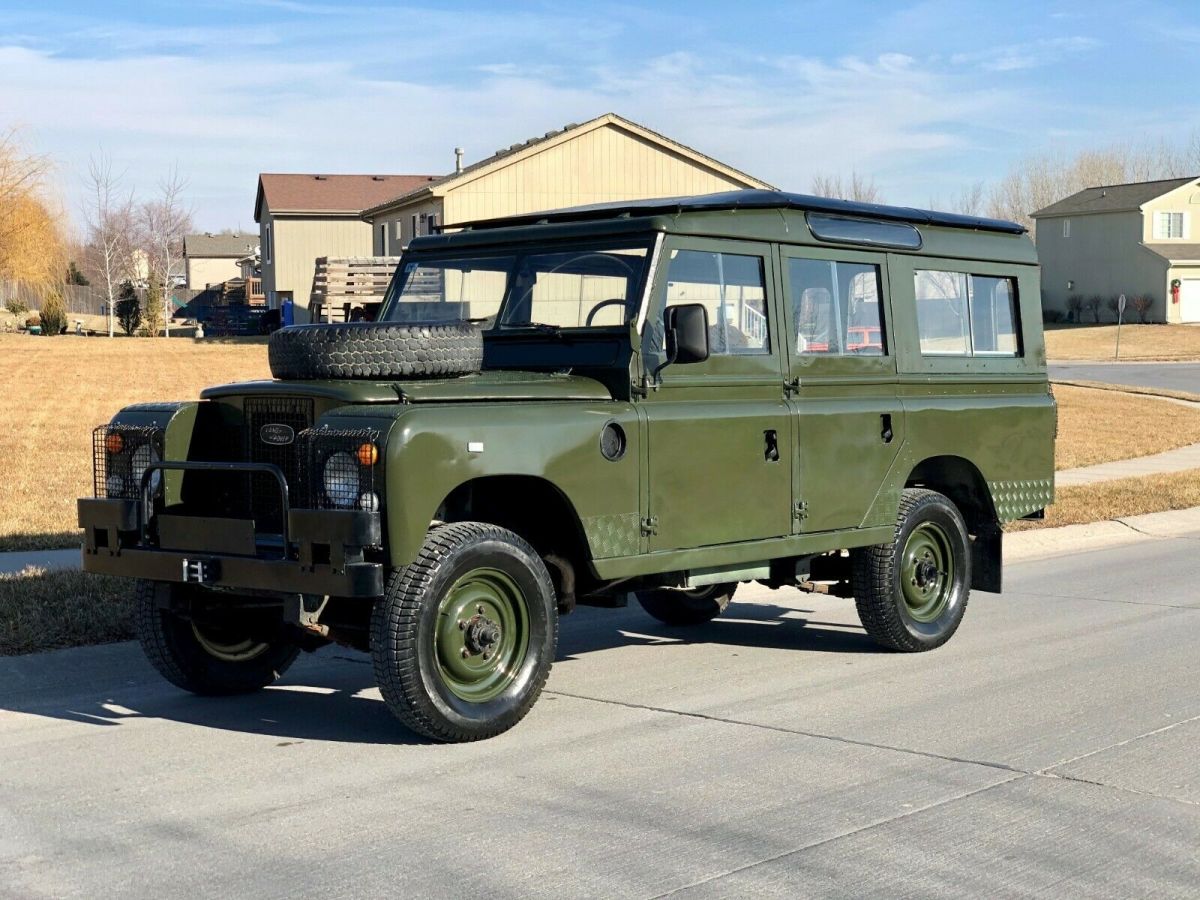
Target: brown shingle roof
x=607 y=118
x=1176 y=252
x=1111 y=197
x=331 y=194
x=233 y=246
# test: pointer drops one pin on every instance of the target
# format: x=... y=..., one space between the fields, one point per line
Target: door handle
x=885 y=428
x=771 y=452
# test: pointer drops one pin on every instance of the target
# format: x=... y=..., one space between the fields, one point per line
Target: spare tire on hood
x=376 y=350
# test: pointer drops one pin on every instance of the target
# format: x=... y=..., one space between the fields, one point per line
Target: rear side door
x=719 y=432
x=849 y=423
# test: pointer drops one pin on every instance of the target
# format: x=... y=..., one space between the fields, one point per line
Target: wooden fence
x=341 y=284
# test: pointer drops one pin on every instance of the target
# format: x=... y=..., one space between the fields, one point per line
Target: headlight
x=143 y=456
x=340 y=479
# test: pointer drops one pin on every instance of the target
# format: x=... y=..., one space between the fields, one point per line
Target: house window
x=268 y=245
x=431 y=224
x=412 y=229
x=1066 y=228
x=1168 y=225
x=383 y=247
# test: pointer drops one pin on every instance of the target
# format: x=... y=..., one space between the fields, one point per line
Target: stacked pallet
x=341 y=284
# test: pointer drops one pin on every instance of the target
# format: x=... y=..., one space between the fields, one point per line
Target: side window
x=835 y=307
x=732 y=287
x=965 y=315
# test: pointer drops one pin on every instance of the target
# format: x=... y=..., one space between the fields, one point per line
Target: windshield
x=596 y=286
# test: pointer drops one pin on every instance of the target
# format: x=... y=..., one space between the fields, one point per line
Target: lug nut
x=462 y=624
x=465 y=652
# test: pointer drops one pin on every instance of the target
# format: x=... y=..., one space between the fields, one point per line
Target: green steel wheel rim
x=228 y=650
x=482 y=635
x=927 y=572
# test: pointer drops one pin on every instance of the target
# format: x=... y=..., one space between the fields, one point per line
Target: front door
x=719 y=432
x=849 y=422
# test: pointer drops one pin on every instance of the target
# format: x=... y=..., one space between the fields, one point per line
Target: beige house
x=302 y=217
x=605 y=159
x=213 y=258
x=1132 y=239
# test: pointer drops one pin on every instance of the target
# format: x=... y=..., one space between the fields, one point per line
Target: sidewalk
x=44 y=559
x=1179 y=460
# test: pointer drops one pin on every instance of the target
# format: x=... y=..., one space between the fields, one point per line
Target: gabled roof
x=222 y=246
x=509 y=155
x=331 y=195
x=1112 y=198
x=754 y=199
x=1187 y=253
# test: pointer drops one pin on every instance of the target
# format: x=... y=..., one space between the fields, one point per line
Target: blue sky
x=926 y=98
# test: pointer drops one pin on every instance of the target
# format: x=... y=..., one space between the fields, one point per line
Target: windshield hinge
x=791 y=386
x=650 y=525
x=800 y=510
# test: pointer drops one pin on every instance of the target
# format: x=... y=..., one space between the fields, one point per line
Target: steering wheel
x=616 y=301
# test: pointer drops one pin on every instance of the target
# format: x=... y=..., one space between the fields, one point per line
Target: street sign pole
x=1120 y=316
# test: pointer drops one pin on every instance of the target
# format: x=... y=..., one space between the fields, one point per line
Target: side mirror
x=687 y=333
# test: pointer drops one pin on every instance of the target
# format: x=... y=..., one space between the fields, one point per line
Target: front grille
x=290 y=416
x=120 y=454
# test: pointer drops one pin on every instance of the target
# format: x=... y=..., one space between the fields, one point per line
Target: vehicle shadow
x=750 y=625
x=331 y=696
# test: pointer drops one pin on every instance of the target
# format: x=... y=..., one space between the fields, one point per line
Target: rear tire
x=464 y=637
x=911 y=594
x=673 y=606
x=209 y=650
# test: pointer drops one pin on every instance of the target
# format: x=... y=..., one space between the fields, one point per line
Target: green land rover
x=661 y=399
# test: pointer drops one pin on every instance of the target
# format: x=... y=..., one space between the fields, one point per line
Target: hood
x=492 y=385
x=503 y=385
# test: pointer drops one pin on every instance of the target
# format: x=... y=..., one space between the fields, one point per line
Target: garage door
x=1189 y=299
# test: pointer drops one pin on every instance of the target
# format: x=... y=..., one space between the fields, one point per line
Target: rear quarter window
x=961 y=314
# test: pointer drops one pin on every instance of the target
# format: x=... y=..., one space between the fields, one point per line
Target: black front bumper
x=321 y=554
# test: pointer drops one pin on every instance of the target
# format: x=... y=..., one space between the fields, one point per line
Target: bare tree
x=856 y=187
x=971 y=200
x=111 y=222
x=164 y=223
x=1037 y=181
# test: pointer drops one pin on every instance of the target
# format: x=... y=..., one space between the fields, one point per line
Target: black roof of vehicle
x=751 y=199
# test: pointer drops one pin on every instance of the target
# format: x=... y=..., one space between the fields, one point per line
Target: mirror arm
x=672 y=354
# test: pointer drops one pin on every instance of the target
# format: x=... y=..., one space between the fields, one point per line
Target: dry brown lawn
x=1096 y=426
x=57 y=389
x=1117 y=499
x=1137 y=341
x=41 y=610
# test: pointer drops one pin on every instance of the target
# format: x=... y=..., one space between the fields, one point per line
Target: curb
x=1025 y=546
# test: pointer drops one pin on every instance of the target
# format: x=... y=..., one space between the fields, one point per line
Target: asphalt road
x=1171 y=376
x=1049 y=750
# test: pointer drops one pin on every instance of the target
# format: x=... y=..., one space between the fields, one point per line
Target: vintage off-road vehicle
x=660 y=399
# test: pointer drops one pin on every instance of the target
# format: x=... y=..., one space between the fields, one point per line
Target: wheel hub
x=482 y=634
x=926 y=572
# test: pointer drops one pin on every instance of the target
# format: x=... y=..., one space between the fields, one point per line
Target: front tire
x=209 y=648
x=464 y=637
x=911 y=594
x=673 y=606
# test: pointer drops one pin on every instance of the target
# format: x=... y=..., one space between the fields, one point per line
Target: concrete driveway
x=1170 y=376
x=1048 y=750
